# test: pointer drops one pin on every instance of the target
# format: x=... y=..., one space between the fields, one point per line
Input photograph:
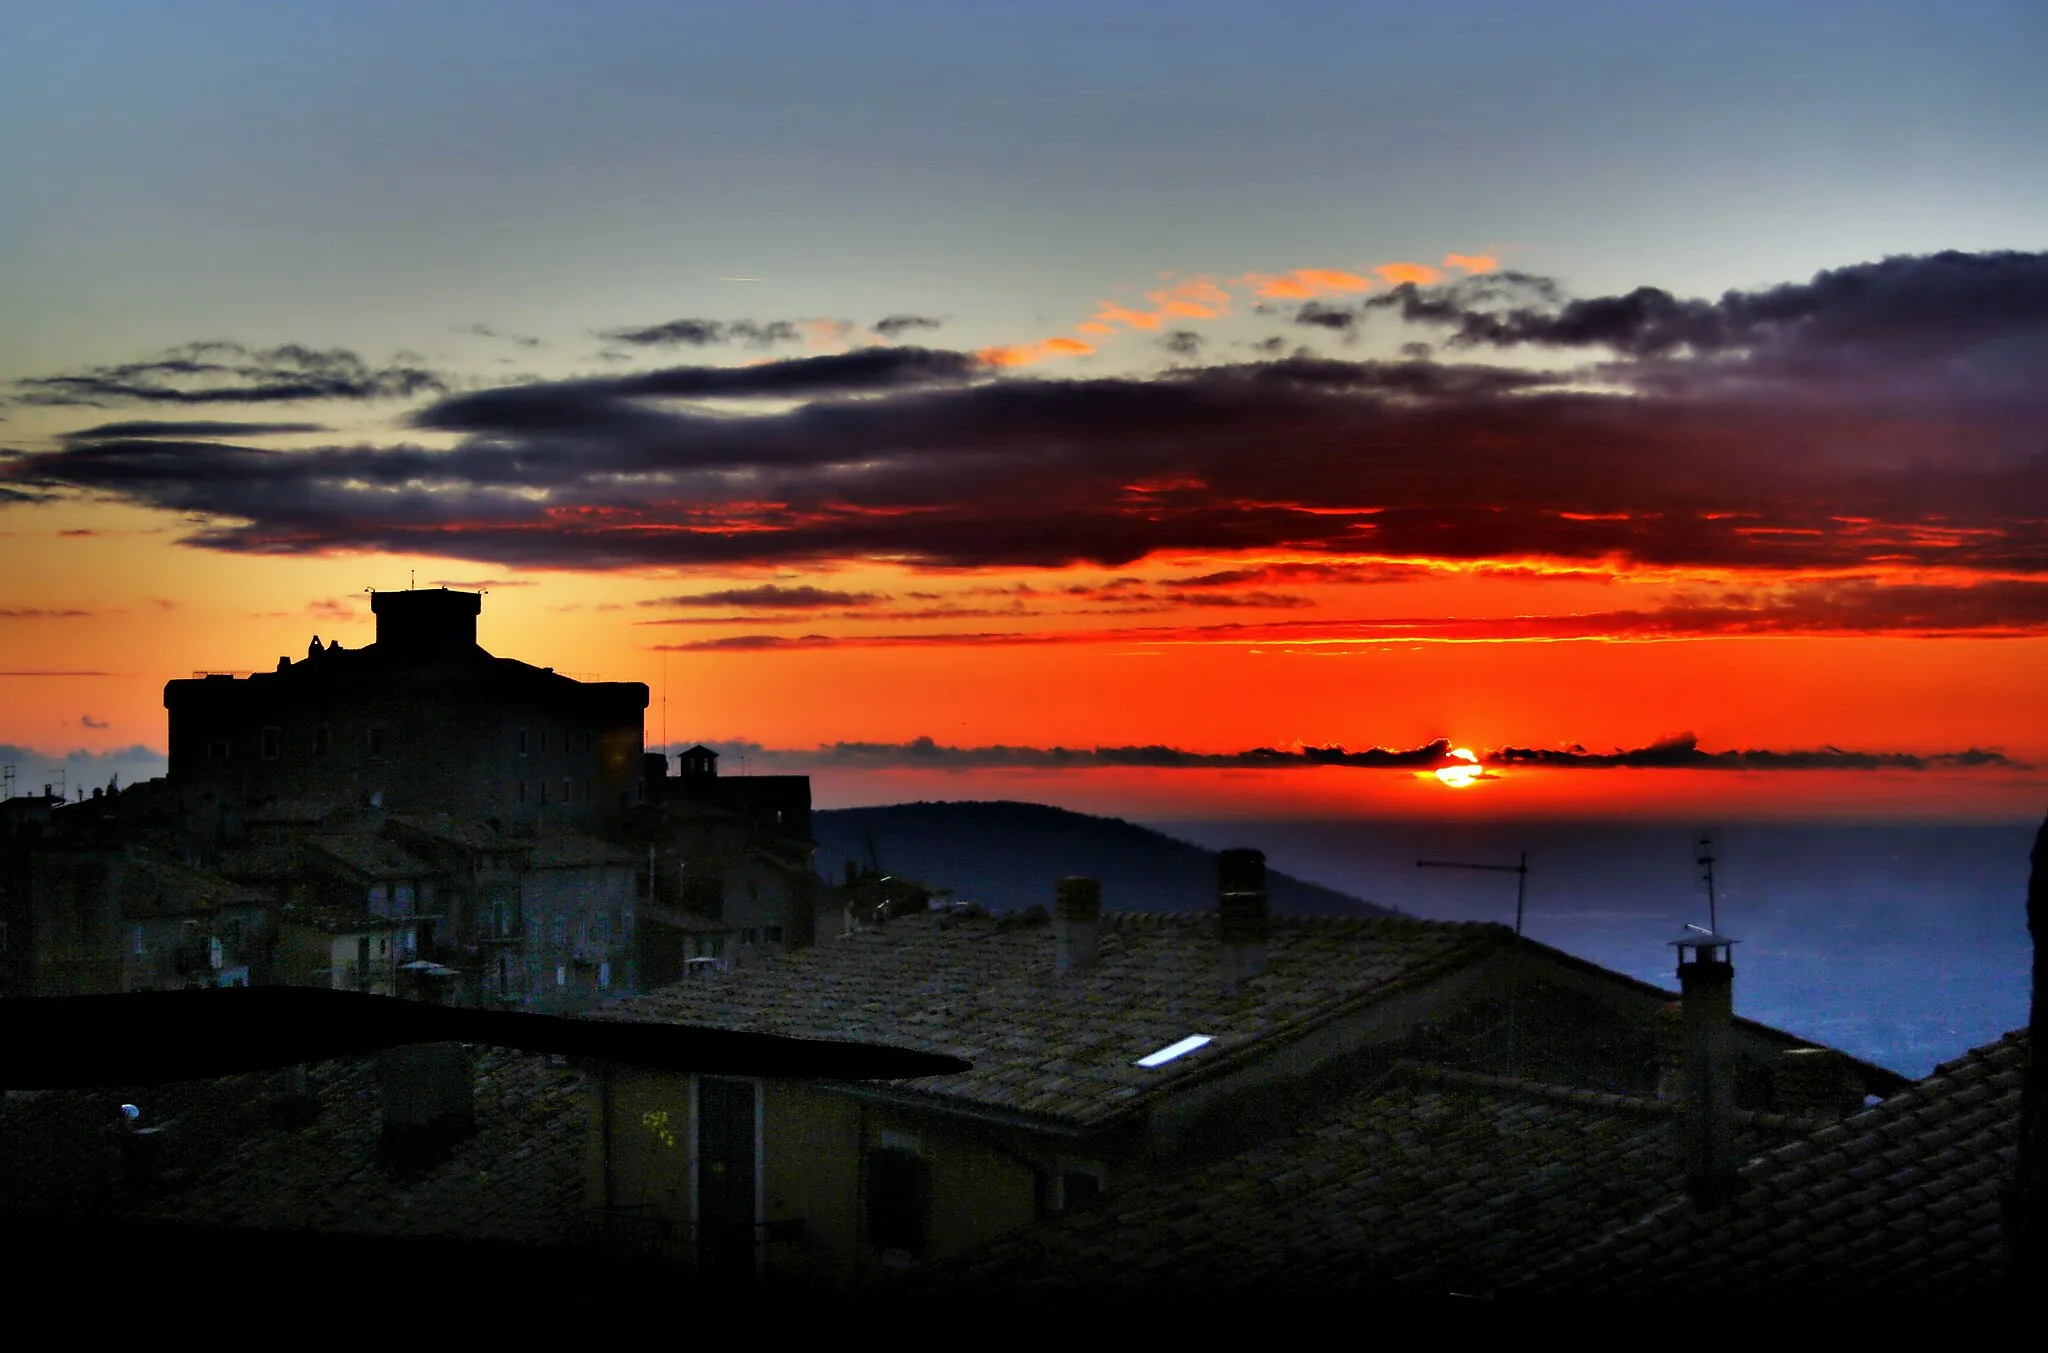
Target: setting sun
x=1461 y=776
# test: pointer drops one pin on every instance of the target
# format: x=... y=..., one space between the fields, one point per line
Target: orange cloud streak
x=1302 y=284
x=1024 y=354
x=1419 y=273
x=1471 y=263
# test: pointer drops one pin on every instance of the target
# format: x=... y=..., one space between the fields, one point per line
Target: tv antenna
x=1520 y=871
x=1706 y=862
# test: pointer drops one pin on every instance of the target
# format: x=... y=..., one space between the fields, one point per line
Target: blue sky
x=373 y=174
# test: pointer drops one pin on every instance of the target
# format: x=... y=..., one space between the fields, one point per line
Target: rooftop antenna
x=7 y=781
x=1706 y=861
x=664 y=705
x=1520 y=869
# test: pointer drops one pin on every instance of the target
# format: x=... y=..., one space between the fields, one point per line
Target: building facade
x=424 y=719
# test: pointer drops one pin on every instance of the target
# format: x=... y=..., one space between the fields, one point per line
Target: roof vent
x=1077 y=908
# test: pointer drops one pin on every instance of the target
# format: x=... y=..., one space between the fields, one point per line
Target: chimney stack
x=1814 y=1083
x=1241 y=913
x=1076 y=910
x=429 y=1102
x=1706 y=1110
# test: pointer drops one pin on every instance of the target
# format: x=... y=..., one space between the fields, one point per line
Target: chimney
x=1706 y=1101
x=1241 y=913
x=423 y=626
x=429 y=1102
x=1077 y=907
x=1814 y=1083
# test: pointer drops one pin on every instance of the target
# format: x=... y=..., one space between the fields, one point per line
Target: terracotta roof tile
x=1063 y=1046
x=1901 y=1200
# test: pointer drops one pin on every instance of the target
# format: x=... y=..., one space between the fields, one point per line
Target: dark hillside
x=1009 y=855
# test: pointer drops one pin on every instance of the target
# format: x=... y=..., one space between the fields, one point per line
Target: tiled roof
x=563 y=848
x=340 y=920
x=370 y=855
x=1061 y=1047
x=1429 y=1184
x=161 y=887
x=1897 y=1202
x=478 y=836
x=518 y=1179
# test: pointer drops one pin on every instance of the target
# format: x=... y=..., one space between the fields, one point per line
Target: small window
x=522 y=742
x=543 y=791
x=375 y=740
x=899 y=1201
x=1081 y=1185
x=217 y=749
x=567 y=788
x=272 y=743
x=323 y=738
x=543 y=742
x=522 y=791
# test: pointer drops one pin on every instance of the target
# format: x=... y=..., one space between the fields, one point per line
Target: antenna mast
x=1706 y=861
x=1520 y=870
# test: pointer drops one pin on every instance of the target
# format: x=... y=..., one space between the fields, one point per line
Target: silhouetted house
x=545 y=919
x=726 y=859
x=280 y=1156
x=1430 y=1183
x=780 y=804
x=344 y=949
x=1108 y=1050
x=1899 y=1202
x=130 y=919
x=422 y=720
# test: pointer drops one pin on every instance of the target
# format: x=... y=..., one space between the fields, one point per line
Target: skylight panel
x=1173 y=1050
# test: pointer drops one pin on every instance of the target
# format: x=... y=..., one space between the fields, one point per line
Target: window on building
x=543 y=791
x=567 y=787
x=375 y=739
x=543 y=742
x=899 y=1199
x=522 y=742
x=272 y=744
x=217 y=749
x=522 y=791
x=323 y=738
x=1082 y=1184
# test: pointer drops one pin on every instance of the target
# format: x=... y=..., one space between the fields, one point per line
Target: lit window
x=1173 y=1050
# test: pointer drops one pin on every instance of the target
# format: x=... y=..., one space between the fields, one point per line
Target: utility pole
x=1520 y=870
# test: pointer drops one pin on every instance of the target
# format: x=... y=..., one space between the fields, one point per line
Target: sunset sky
x=1121 y=406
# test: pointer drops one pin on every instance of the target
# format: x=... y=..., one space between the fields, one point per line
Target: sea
x=1902 y=944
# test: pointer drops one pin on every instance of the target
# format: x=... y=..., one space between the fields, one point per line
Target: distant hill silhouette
x=1009 y=855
